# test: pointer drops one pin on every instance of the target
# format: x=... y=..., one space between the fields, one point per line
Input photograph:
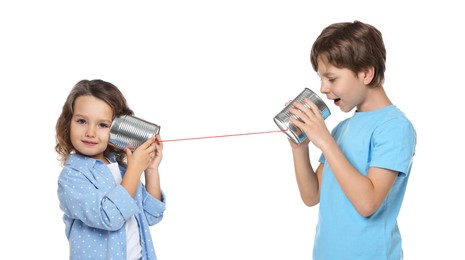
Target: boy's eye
x=331 y=79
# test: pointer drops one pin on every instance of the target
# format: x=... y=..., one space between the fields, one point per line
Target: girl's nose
x=90 y=132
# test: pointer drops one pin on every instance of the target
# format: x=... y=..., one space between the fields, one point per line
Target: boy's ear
x=368 y=74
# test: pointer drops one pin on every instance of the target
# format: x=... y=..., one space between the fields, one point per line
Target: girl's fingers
x=158 y=140
x=149 y=142
x=128 y=151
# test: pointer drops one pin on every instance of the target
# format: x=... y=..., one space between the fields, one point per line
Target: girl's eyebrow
x=100 y=120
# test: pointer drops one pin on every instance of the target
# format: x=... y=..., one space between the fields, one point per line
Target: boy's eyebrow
x=326 y=74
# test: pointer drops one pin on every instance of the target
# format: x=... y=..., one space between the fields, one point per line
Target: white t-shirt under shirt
x=132 y=229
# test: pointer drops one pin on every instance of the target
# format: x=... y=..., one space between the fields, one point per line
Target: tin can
x=282 y=118
x=130 y=131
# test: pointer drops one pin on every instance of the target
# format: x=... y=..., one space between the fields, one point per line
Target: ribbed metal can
x=282 y=118
x=130 y=131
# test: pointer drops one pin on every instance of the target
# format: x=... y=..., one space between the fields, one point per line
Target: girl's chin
x=98 y=156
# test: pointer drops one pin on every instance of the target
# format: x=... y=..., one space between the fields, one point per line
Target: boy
x=366 y=160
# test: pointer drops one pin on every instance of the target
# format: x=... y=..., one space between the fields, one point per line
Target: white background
x=201 y=68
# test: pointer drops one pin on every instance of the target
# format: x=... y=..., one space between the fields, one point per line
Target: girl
x=107 y=210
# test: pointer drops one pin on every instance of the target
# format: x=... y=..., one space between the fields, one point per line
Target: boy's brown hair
x=355 y=46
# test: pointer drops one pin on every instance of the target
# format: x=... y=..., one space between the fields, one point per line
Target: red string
x=218 y=136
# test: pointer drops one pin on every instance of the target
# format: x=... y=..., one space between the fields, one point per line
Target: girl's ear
x=367 y=74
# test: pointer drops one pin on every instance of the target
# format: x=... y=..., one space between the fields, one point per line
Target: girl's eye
x=103 y=125
x=81 y=121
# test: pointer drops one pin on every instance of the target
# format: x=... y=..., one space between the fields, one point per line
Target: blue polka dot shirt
x=95 y=210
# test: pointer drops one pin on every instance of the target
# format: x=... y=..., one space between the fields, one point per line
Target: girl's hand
x=152 y=175
x=143 y=156
x=157 y=154
x=311 y=122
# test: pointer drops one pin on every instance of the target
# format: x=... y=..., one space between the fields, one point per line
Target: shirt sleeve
x=393 y=146
x=80 y=199
x=153 y=208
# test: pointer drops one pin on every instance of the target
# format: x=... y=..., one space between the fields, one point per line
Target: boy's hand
x=310 y=121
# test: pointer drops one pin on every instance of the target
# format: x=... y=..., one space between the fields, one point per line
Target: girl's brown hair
x=97 y=88
x=355 y=46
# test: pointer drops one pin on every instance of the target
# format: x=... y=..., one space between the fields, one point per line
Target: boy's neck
x=376 y=98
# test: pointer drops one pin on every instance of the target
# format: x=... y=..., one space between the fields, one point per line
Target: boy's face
x=346 y=88
x=90 y=126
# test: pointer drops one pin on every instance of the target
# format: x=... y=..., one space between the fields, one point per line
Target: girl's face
x=90 y=126
x=343 y=86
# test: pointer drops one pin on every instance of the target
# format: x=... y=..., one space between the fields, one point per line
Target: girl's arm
x=138 y=161
x=152 y=175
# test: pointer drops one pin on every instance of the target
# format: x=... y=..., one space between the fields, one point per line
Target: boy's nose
x=324 y=89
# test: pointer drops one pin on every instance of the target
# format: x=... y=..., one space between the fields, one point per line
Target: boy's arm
x=366 y=193
x=308 y=180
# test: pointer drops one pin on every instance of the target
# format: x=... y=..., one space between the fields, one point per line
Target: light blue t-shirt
x=95 y=210
x=383 y=138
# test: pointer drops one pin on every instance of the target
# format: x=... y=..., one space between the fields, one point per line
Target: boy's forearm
x=307 y=180
x=358 y=188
